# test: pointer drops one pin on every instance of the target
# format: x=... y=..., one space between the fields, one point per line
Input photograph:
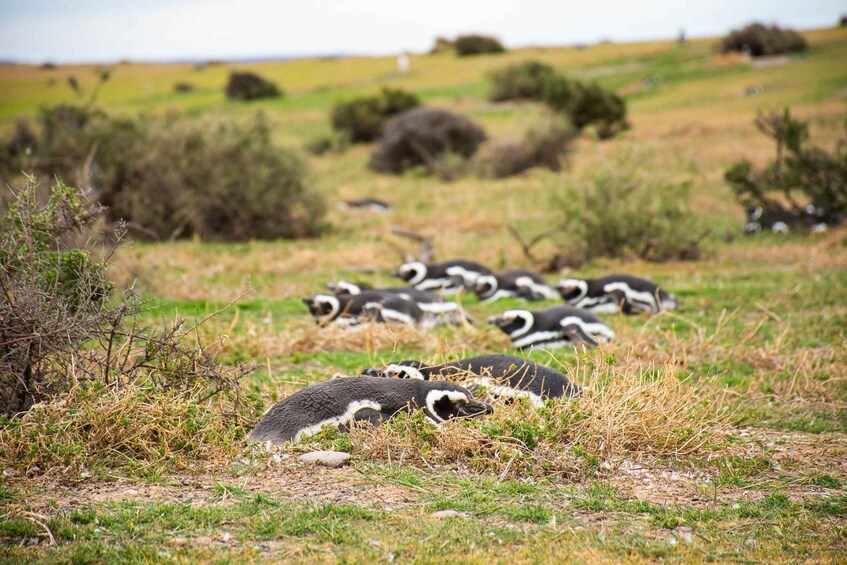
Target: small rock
x=226 y=537
x=443 y=514
x=203 y=541
x=326 y=458
x=178 y=541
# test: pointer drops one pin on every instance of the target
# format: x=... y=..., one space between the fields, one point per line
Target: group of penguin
x=422 y=302
x=380 y=393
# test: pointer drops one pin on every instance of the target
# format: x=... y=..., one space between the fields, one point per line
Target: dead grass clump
x=627 y=412
x=135 y=429
x=365 y=337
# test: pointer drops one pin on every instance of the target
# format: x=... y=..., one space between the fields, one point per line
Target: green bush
x=428 y=137
x=584 y=104
x=250 y=86
x=336 y=142
x=477 y=45
x=170 y=176
x=624 y=212
x=759 y=40
x=797 y=178
x=522 y=81
x=362 y=119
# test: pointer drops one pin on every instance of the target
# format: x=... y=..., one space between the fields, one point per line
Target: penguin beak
x=373 y=372
x=309 y=301
x=497 y=321
x=396 y=275
x=476 y=408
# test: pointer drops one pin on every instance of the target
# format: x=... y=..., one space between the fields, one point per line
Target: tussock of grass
x=133 y=429
x=367 y=337
x=625 y=412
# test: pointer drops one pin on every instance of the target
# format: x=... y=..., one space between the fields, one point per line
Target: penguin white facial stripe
x=419 y=270
x=333 y=302
x=489 y=280
x=403 y=372
x=580 y=284
x=469 y=277
x=633 y=295
x=434 y=396
x=509 y=392
x=342 y=419
x=600 y=332
x=524 y=315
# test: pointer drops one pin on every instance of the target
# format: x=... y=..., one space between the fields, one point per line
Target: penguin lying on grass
x=448 y=277
x=616 y=293
x=426 y=301
x=340 y=402
x=554 y=327
x=352 y=309
x=501 y=375
x=515 y=282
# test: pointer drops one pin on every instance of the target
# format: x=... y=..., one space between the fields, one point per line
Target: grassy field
x=753 y=362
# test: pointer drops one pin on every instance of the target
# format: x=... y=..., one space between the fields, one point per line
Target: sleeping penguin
x=426 y=301
x=500 y=375
x=340 y=402
x=352 y=309
x=448 y=277
x=554 y=327
x=616 y=293
x=514 y=282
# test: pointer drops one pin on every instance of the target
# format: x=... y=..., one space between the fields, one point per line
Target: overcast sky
x=66 y=31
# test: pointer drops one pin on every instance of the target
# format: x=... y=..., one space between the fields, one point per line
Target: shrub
x=542 y=147
x=425 y=136
x=169 y=176
x=362 y=119
x=183 y=87
x=626 y=212
x=797 y=178
x=477 y=45
x=583 y=104
x=80 y=383
x=759 y=40
x=527 y=81
x=441 y=44
x=336 y=142
x=250 y=86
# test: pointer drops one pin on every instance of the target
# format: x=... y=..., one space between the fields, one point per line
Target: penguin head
x=324 y=307
x=514 y=322
x=485 y=286
x=572 y=290
x=446 y=401
x=344 y=287
x=399 y=370
x=754 y=213
x=412 y=273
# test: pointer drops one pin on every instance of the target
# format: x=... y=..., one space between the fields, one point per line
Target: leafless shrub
x=542 y=147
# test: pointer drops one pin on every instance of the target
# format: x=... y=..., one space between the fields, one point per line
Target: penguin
x=553 y=327
x=426 y=301
x=514 y=282
x=351 y=309
x=369 y=204
x=501 y=376
x=448 y=277
x=616 y=293
x=340 y=402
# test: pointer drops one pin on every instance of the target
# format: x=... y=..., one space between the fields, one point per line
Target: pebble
x=446 y=514
x=326 y=458
x=178 y=541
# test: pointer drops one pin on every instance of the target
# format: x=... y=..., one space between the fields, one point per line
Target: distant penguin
x=501 y=375
x=437 y=310
x=340 y=402
x=616 y=293
x=448 y=277
x=352 y=309
x=369 y=204
x=554 y=327
x=515 y=282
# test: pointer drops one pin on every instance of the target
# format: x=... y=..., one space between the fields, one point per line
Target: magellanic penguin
x=500 y=375
x=616 y=293
x=514 y=282
x=448 y=277
x=426 y=301
x=351 y=309
x=369 y=204
x=340 y=402
x=553 y=327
